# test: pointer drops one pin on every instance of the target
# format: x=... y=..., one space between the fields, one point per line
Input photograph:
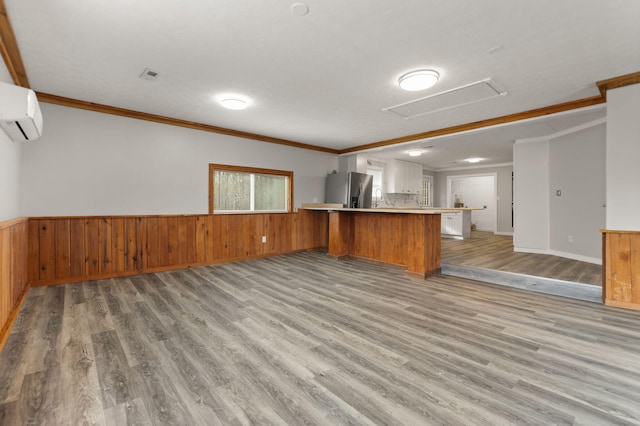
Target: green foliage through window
x=240 y=191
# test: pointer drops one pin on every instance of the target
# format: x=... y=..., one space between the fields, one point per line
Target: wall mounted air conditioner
x=20 y=115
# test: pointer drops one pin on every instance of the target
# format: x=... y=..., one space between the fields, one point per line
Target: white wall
x=503 y=202
x=577 y=169
x=88 y=163
x=9 y=167
x=476 y=192
x=623 y=158
x=9 y=178
x=353 y=163
x=531 y=195
x=573 y=162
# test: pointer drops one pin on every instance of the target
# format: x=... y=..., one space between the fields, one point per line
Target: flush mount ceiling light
x=299 y=9
x=473 y=160
x=414 y=152
x=234 y=103
x=418 y=80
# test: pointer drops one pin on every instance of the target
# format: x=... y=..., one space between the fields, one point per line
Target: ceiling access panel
x=460 y=96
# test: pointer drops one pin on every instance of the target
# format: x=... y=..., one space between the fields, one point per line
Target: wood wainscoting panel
x=105 y=246
x=201 y=238
x=14 y=253
x=91 y=248
x=621 y=260
x=151 y=252
x=18 y=272
x=47 y=244
x=70 y=249
x=63 y=249
x=76 y=243
x=5 y=274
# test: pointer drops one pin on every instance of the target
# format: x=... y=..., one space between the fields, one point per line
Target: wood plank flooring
x=489 y=251
x=301 y=339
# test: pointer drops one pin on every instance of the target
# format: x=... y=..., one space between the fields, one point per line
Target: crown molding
x=616 y=82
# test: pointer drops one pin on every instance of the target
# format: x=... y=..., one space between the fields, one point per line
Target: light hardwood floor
x=301 y=339
x=489 y=251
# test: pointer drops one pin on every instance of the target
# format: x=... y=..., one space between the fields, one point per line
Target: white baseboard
x=573 y=256
x=510 y=234
x=484 y=229
x=531 y=250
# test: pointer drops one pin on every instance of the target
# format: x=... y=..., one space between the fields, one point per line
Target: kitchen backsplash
x=400 y=200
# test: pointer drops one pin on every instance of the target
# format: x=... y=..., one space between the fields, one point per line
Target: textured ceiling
x=324 y=78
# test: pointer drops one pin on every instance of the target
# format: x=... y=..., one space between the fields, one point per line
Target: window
x=426 y=196
x=376 y=172
x=236 y=189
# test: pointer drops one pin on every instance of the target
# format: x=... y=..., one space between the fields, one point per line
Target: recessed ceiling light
x=473 y=160
x=414 y=152
x=234 y=103
x=418 y=80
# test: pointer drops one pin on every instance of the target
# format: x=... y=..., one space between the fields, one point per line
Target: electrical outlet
x=570 y=238
x=264 y=238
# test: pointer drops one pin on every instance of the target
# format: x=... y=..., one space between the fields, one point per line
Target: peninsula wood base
x=410 y=240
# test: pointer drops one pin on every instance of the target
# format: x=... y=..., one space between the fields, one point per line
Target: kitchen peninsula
x=406 y=237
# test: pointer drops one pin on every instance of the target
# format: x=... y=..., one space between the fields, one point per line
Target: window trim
x=244 y=169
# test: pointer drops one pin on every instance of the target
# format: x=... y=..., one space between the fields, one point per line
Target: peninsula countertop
x=407 y=210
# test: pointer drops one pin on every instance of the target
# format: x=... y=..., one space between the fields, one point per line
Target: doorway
x=476 y=191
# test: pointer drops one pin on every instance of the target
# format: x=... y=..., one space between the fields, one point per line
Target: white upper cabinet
x=403 y=177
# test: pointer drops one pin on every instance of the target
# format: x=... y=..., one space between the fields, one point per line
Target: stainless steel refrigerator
x=352 y=189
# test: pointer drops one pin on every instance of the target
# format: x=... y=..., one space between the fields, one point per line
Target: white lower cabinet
x=456 y=225
x=452 y=224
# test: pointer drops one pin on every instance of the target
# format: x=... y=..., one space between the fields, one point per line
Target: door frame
x=495 y=193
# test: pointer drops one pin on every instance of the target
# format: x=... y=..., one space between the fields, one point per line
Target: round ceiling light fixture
x=418 y=80
x=473 y=160
x=234 y=103
x=414 y=152
x=299 y=9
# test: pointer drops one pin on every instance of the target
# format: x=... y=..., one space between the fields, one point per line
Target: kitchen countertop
x=408 y=210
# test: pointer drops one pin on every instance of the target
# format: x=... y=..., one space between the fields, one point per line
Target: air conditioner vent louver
x=454 y=98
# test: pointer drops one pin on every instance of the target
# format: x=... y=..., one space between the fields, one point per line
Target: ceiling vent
x=454 y=98
x=149 y=74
